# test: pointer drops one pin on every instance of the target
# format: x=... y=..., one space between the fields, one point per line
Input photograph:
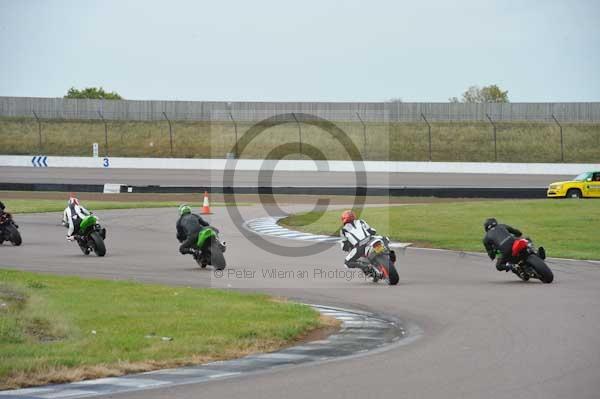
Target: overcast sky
x=321 y=50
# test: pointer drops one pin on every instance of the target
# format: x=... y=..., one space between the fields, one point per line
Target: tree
x=486 y=94
x=93 y=93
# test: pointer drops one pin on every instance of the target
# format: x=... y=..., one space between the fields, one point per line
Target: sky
x=310 y=50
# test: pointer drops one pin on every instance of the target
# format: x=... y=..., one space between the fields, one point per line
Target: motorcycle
x=91 y=236
x=381 y=260
x=209 y=249
x=9 y=230
x=529 y=261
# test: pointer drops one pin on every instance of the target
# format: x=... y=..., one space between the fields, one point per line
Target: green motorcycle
x=209 y=249
x=91 y=236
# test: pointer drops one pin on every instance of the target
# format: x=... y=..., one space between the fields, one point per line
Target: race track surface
x=485 y=334
x=286 y=179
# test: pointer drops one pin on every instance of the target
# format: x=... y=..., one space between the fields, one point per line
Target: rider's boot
x=510 y=267
x=542 y=253
x=187 y=251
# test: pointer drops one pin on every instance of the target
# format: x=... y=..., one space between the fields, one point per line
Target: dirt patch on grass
x=11 y=299
x=42 y=330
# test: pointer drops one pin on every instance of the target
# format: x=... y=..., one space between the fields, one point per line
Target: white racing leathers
x=355 y=235
x=73 y=215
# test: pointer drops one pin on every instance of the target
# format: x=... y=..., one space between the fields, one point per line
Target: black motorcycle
x=9 y=230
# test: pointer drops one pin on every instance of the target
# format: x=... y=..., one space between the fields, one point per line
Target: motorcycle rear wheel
x=15 y=236
x=542 y=270
x=392 y=273
x=394 y=277
x=217 y=259
x=99 y=247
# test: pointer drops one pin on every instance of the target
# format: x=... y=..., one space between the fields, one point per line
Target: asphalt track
x=289 y=179
x=485 y=334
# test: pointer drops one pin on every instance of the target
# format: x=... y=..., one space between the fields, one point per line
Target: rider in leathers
x=500 y=237
x=356 y=234
x=188 y=227
x=73 y=215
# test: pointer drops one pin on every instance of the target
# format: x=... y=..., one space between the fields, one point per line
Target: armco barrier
x=441 y=192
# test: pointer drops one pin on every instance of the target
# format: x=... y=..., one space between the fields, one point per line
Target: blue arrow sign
x=39 y=161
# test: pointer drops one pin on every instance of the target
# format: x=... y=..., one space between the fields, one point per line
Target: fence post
x=299 y=132
x=170 y=133
x=235 y=146
x=39 y=130
x=429 y=129
x=562 y=149
x=105 y=133
x=364 y=135
x=494 y=128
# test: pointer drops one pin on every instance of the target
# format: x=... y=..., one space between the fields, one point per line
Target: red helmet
x=348 y=216
x=73 y=201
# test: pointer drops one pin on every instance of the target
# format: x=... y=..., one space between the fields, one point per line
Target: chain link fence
x=513 y=132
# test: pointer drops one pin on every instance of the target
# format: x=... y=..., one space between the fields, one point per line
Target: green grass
x=451 y=141
x=567 y=228
x=47 y=205
x=55 y=329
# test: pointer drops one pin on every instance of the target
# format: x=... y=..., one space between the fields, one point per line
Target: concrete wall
x=299 y=165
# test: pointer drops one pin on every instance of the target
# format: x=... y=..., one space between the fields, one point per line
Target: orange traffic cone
x=206 y=205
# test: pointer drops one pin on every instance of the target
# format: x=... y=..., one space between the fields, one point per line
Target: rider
x=356 y=234
x=73 y=215
x=2 y=207
x=500 y=237
x=188 y=227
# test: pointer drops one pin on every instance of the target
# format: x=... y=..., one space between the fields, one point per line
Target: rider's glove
x=346 y=246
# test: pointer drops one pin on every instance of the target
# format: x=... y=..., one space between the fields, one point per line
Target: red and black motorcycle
x=9 y=230
x=529 y=261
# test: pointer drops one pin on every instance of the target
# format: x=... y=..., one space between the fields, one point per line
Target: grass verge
x=58 y=329
x=568 y=229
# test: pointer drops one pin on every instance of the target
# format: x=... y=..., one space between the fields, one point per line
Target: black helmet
x=489 y=224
